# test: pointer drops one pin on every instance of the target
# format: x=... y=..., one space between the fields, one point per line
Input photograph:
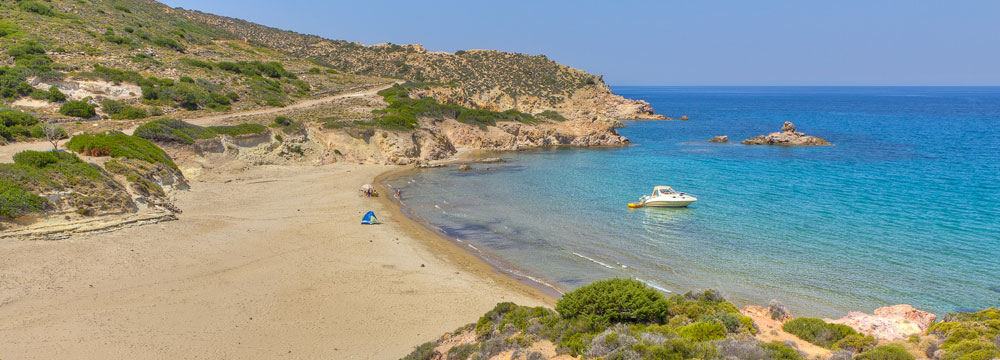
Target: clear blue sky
x=791 y=42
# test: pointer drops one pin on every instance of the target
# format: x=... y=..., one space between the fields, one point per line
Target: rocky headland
x=787 y=137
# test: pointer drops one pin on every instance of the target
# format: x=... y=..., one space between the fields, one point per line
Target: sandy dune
x=268 y=263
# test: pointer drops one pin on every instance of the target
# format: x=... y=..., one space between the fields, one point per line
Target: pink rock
x=888 y=323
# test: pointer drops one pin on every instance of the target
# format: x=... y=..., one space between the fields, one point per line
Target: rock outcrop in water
x=888 y=323
x=719 y=139
x=787 y=137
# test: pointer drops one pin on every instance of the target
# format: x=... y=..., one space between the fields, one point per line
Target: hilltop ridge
x=487 y=79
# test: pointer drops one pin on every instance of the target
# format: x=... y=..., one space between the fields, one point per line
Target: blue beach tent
x=370 y=219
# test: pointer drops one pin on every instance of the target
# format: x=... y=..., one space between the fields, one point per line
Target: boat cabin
x=663 y=190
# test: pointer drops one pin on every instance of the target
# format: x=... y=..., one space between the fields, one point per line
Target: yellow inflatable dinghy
x=634 y=205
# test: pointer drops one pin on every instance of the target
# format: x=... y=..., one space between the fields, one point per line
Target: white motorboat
x=664 y=196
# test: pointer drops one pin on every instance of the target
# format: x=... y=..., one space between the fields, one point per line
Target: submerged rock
x=464 y=167
x=888 y=323
x=719 y=139
x=787 y=137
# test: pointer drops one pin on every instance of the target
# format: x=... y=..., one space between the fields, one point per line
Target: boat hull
x=671 y=203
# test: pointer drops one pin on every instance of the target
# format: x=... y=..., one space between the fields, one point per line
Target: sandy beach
x=271 y=262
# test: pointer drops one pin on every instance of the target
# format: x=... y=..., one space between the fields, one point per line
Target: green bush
x=172 y=130
x=241 y=129
x=677 y=349
x=41 y=159
x=15 y=200
x=615 y=300
x=119 y=145
x=886 y=352
x=7 y=29
x=116 y=75
x=817 y=331
x=55 y=95
x=78 y=109
x=39 y=94
x=122 y=111
x=703 y=331
x=168 y=43
x=422 y=352
x=271 y=69
x=971 y=350
x=461 y=352
x=857 y=343
x=35 y=7
x=779 y=351
x=551 y=115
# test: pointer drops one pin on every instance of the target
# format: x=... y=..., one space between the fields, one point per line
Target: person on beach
x=399 y=194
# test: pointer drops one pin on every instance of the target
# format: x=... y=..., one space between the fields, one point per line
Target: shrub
x=233 y=96
x=779 y=351
x=78 y=109
x=15 y=200
x=615 y=300
x=778 y=311
x=7 y=29
x=857 y=343
x=168 y=43
x=817 y=331
x=172 y=130
x=12 y=117
x=552 y=115
x=41 y=159
x=422 y=352
x=314 y=70
x=461 y=352
x=241 y=129
x=35 y=7
x=119 y=145
x=198 y=63
x=39 y=94
x=282 y=121
x=971 y=350
x=676 y=349
x=55 y=95
x=886 y=352
x=703 y=331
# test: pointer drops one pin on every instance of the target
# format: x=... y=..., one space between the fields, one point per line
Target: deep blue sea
x=905 y=208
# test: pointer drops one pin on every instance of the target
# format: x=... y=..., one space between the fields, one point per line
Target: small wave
x=593 y=260
x=654 y=285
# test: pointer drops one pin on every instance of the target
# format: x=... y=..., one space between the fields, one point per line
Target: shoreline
x=509 y=275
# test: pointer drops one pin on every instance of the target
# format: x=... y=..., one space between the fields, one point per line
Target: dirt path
x=216 y=119
x=7 y=151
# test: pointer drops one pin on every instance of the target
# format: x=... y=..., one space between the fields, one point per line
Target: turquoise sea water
x=904 y=209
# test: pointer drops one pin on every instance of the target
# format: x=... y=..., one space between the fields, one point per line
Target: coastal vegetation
x=118 y=145
x=177 y=131
x=619 y=319
x=35 y=172
x=820 y=332
x=625 y=319
x=403 y=111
